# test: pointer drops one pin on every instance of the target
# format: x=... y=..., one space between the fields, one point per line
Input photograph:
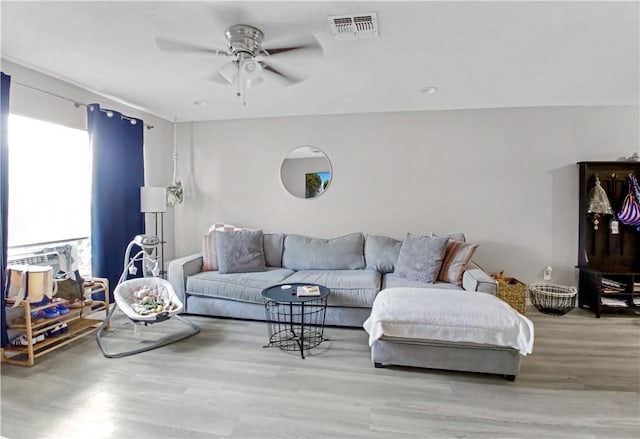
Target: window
x=49 y=189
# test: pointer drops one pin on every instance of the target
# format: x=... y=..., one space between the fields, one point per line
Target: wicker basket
x=514 y=293
x=553 y=299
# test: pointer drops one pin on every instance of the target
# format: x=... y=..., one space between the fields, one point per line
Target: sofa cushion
x=355 y=288
x=456 y=257
x=273 y=246
x=240 y=251
x=392 y=280
x=306 y=253
x=420 y=257
x=243 y=287
x=381 y=253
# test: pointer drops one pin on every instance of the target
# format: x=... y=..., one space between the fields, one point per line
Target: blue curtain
x=118 y=174
x=4 y=193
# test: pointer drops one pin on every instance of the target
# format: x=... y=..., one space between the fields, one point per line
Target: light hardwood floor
x=583 y=381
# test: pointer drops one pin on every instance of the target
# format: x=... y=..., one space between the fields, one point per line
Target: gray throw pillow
x=341 y=253
x=381 y=253
x=240 y=252
x=420 y=258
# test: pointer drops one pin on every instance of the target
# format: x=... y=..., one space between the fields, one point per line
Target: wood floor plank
x=582 y=381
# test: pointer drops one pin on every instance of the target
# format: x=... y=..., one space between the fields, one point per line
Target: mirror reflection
x=306 y=172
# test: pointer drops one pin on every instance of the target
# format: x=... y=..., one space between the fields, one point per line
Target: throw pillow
x=209 y=260
x=240 y=251
x=420 y=258
x=381 y=253
x=455 y=260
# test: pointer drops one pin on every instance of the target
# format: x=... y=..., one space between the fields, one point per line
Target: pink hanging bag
x=629 y=214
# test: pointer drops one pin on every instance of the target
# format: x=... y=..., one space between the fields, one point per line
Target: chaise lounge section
x=443 y=329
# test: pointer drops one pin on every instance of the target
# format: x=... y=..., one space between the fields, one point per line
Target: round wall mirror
x=306 y=172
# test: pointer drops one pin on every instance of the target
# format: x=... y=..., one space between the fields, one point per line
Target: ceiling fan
x=250 y=61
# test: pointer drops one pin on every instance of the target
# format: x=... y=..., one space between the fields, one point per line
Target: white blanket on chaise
x=446 y=315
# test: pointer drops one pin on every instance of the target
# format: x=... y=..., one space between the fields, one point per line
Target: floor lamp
x=154 y=200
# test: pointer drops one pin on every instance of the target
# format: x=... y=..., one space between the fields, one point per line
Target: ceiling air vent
x=354 y=26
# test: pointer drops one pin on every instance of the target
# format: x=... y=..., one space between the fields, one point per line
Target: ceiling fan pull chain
x=242 y=81
x=240 y=77
x=244 y=92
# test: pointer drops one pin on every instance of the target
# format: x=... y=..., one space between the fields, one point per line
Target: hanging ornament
x=174 y=192
x=598 y=203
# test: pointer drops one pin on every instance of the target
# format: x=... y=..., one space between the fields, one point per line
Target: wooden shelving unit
x=599 y=297
x=602 y=255
x=78 y=320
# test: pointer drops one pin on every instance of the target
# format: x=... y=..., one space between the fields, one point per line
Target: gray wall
x=506 y=177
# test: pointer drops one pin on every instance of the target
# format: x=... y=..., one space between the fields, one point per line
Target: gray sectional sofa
x=354 y=267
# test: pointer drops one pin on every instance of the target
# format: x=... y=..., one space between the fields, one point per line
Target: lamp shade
x=153 y=199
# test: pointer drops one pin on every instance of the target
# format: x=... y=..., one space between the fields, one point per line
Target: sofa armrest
x=181 y=268
x=476 y=279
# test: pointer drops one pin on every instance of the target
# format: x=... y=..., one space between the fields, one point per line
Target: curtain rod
x=75 y=103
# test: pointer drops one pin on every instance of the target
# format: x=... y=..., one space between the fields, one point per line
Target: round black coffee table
x=295 y=322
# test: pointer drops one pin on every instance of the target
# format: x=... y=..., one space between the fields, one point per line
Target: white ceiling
x=478 y=54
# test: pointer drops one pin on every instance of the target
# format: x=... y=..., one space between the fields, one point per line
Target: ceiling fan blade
x=311 y=47
x=166 y=45
x=289 y=78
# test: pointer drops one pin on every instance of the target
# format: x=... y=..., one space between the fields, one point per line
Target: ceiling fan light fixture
x=229 y=71
x=252 y=70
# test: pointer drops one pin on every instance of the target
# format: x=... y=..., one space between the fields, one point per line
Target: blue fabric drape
x=4 y=193
x=118 y=174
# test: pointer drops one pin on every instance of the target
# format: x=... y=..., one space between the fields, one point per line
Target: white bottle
x=547 y=273
x=613 y=226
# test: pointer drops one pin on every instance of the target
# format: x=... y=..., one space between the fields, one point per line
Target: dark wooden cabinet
x=609 y=263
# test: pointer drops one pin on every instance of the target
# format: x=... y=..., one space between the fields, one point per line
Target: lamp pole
x=154 y=200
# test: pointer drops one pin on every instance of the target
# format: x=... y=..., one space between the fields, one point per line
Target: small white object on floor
x=286 y=287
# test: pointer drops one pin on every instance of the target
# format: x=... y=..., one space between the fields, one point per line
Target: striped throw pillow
x=209 y=257
x=456 y=257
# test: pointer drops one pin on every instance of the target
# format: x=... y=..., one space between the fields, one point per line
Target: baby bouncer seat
x=144 y=301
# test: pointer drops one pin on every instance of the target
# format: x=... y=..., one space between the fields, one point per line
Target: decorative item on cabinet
x=598 y=202
x=629 y=213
